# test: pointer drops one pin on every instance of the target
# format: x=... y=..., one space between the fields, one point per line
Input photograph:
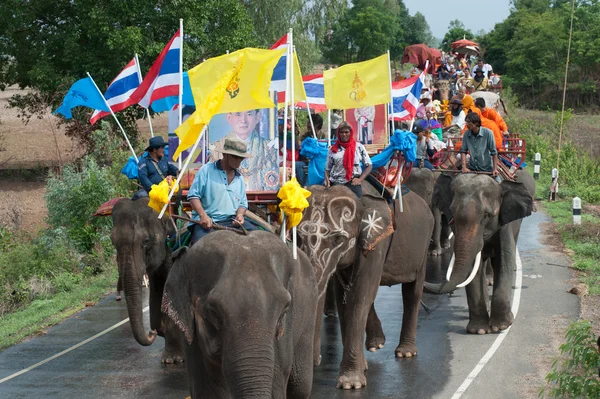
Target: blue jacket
x=148 y=172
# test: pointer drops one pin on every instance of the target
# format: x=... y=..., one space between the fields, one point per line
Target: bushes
x=575 y=373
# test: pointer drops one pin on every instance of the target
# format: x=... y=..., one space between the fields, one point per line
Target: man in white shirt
x=486 y=68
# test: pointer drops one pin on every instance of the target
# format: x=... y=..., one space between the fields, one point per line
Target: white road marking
x=28 y=369
x=488 y=355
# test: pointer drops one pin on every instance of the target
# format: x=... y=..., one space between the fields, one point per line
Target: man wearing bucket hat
x=218 y=193
x=154 y=168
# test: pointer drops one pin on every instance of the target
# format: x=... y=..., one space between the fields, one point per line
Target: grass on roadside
x=43 y=313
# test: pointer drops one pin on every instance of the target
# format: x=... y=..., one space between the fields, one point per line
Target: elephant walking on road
x=247 y=311
x=140 y=239
x=486 y=218
x=363 y=243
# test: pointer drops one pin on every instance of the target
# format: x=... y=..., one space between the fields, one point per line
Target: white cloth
x=487 y=68
x=459 y=120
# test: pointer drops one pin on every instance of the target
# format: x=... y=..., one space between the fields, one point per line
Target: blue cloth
x=316 y=152
x=130 y=169
x=83 y=92
x=402 y=140
x=149 y=174
x=167 y=103
x=219 y=199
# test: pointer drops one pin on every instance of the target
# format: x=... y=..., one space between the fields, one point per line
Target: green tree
x=46 y=46
x=456 y=31
x=365 y=31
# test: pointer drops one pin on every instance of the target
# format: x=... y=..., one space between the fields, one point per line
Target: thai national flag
x=315 y=93
x=406 y=95
x=119 y=91
x=279 y=74
x=163 y=78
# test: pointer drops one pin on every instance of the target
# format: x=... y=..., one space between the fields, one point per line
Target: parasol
x=466 y=47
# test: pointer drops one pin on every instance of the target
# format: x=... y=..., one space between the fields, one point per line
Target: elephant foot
x=480 y=327
x=171 y=357
x=406 y=350
x=500 y=323
x=446 y=245
x=352 y=380
x=118 y=298
x=374 y=342
x=436 y=251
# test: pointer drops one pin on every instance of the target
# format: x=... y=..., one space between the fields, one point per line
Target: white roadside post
x=577 y=211
x=536 y=166
x=114 y=116
x=554 y=185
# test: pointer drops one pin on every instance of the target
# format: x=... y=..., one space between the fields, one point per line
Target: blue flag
x=83 y=92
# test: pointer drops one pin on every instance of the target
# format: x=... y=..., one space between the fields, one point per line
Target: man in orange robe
x=491 y=114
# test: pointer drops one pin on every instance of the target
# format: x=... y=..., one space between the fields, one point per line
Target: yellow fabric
x=234 y=82
x=293 y=201
x=358 y=85
x=159 y=195
x=468 y=103
x=299 y=92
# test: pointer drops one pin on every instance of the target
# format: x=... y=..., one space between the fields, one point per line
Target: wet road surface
x=115 y=366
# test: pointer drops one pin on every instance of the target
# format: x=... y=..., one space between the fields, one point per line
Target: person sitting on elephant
x=456 y=115
x=155 y=167
x=490 y=124
x=424 y=144
x=479 y=142
x=468 y=103
x=479 y=82
x=317 y=122
x=491 y=114
x=218 y=193
x=344 y=159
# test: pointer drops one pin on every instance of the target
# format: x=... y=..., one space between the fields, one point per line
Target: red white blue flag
x=406 y=95
x=315 y=93
x=163 y=78
x=118 y=94
x=278 y=79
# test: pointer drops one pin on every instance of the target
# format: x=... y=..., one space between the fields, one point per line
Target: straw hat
x=235 y=146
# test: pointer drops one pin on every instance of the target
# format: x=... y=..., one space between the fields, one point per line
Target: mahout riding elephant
x=422 y=181
x=492 y=100
x=486 y=218
x=247 y=311
x=140 y=238
x=363 y=243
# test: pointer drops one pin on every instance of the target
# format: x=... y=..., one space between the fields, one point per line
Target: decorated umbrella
x=466 y=47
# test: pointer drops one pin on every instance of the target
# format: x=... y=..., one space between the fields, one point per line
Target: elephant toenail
x=372 y=349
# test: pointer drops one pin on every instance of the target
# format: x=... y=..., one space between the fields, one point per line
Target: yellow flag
x=358 y=85
x=299 y=92
x=234 y=82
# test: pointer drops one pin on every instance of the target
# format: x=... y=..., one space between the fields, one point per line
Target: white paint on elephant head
x=372 y=224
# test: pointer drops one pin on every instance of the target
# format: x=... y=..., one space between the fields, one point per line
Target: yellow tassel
x=293 y=201
x=159 y=195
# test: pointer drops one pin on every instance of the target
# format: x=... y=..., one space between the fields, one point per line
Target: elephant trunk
x=249 y=373
x=463 y=266
x=132 y=284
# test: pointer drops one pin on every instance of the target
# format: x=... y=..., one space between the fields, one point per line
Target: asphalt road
x=115 y=366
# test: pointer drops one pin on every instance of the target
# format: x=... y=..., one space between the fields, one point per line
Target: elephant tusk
x=473 y=273
x=450 y=235
x=450 y=267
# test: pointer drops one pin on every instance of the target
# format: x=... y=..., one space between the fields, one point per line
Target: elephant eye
x=146 y=242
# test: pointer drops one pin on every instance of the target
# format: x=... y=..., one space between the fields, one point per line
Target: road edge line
x=72 y=348
x=488 y=355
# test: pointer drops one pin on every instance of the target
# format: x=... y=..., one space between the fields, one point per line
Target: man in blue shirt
x=218 y=193
x=155 y=167
x=479 y=142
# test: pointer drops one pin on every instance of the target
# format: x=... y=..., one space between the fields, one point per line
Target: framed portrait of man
x=369 y=124
x=261 y=172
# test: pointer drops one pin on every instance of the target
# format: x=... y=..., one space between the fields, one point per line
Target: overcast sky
x=476 y=15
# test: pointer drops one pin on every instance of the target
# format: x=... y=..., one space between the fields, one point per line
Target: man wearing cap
x=218 y=193
x=154 y=168
x=479 y=82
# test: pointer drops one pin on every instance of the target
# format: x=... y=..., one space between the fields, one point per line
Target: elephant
x=246 y=308
x=422 y=181
x=486 y=219
x=364 y=243
x=139 y=237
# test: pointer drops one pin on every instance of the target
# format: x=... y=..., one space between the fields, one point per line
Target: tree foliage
x=46 y=46
x=456 y=31
x=530 y=49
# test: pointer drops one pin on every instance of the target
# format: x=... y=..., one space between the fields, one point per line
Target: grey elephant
x=246 y=309
x=486 y=219
x=422 y=181
x=140 y=239
x=363 y=243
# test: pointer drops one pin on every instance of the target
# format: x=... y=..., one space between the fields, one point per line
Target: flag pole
x=181 y=83
x=285 y=117
x=139 y=73
x=391 y=98
x=328 y=128
x=292 y=67
x=312 y=124
x=114 y=116
x=185 y=166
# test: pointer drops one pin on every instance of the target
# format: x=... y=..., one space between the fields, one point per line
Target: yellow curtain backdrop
x=358 y=85
x=234 y=82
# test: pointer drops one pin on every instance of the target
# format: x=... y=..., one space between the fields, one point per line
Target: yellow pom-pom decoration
x=293 y=201
x=159 y=195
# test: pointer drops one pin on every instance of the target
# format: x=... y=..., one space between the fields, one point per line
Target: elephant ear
x=376 y=224
x=442 y=194
x=517 y=202
x=176 y=300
